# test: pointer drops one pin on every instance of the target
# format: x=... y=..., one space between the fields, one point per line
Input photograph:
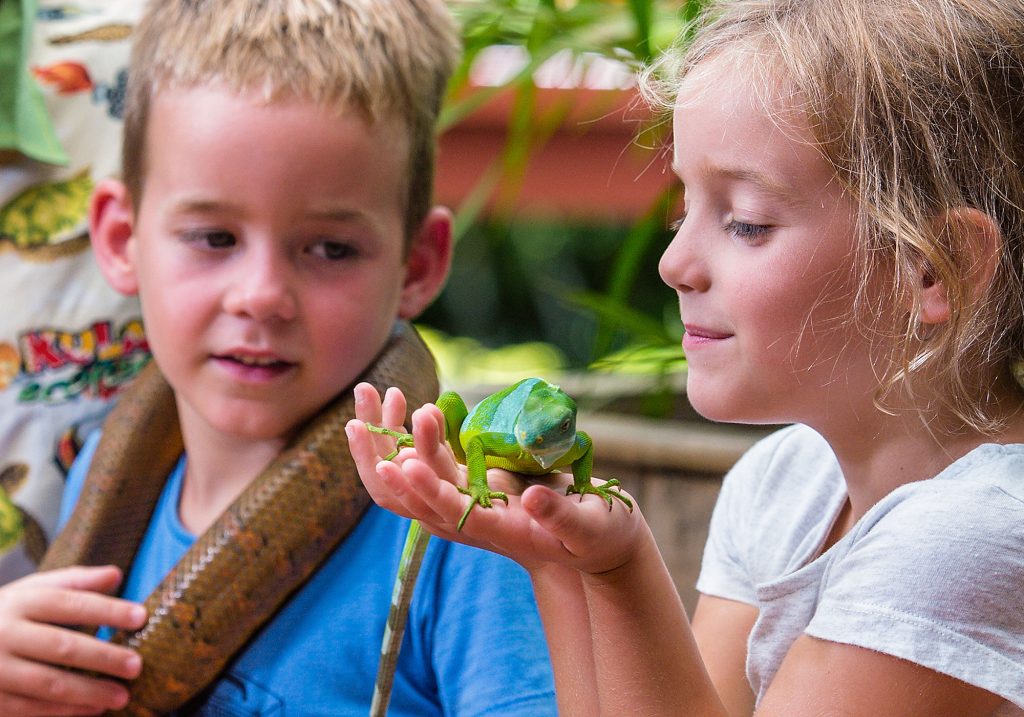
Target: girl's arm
x=721 y=628
x=647 y=659
x=818 y=677
x=635 y=650
x=563 y=610
x=616 y=628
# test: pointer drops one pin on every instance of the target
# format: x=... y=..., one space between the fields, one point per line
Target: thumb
x=554 y=513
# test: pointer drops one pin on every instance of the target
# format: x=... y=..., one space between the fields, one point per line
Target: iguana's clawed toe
x=483 y=497
x=402 y=440
x=606 y=490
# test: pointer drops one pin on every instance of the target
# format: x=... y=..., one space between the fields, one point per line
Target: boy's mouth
x=255 y=360
x=254 y=364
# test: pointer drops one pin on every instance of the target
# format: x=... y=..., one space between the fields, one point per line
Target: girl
x=851 y=260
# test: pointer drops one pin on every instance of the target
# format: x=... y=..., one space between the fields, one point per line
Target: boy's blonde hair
x=919 y=107
x=386 y=59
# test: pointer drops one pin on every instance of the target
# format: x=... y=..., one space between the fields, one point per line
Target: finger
x=367 y=403
x=68 y=648
x=399 y=497
x=82 y=607
x=580 y=528
x=393 y=409
x=507 y=530
x=69 y=692
x=553 y=513
x=103 y=578
x=30 y=707
x=434 y=501
x=366 y=457
x=428 y=427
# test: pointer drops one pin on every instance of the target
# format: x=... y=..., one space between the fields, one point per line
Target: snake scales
x=254 y=556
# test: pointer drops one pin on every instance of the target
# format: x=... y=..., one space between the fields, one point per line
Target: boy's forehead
x=209 y=146
x=391 y=129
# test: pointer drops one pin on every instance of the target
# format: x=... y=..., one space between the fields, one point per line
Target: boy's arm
x=38 y=652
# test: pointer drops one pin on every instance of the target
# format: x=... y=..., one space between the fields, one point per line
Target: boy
x=274 y=221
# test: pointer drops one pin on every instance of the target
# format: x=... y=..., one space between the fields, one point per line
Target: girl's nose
x=262 y=289
x=682 y=265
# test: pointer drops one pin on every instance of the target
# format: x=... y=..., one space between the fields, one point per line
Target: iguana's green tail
x=401 y=596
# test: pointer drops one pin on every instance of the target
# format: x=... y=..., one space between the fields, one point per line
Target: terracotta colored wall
x=591 y=167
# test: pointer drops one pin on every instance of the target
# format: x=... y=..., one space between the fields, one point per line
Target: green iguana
x=528 y=428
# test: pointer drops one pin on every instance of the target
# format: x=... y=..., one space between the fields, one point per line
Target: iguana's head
x=546 y=427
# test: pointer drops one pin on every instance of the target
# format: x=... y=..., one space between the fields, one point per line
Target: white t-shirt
x=68 y=342
x=933 y=573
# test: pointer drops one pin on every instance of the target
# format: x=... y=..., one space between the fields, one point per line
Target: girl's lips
x=697 y=337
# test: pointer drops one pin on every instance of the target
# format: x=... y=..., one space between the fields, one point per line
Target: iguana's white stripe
x=508 y=410
x=416 y=540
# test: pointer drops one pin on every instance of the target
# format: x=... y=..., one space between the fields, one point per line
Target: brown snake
x=258 y=551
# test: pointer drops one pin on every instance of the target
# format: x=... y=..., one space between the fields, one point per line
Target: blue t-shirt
x=474 y=644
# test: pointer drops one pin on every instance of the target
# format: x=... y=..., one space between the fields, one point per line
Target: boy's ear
x=111 y=231
x=981 y=240
x=427 y=264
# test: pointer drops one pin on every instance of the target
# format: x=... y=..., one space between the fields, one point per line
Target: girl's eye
x=750 y=233
x=211 y=239
x=676 y=225
x=333 y=250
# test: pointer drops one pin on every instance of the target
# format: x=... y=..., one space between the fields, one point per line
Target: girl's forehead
x=737 y=85
x=750 y=73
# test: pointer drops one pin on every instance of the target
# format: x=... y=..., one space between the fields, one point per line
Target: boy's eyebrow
x=212 y=206
x=203 y=206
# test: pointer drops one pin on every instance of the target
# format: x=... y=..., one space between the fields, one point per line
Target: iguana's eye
x=565 y=425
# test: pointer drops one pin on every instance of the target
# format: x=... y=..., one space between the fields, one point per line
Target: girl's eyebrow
x=763 y=181
x=743 y=174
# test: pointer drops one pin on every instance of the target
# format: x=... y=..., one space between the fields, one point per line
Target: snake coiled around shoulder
x=257 y=553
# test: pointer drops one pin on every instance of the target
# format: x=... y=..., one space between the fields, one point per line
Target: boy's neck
x=217 y=469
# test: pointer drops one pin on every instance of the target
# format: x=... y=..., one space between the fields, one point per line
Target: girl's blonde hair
x=919 y=107
x=385 y=59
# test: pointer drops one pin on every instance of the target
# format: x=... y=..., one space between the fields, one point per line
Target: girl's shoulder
x=978 y=500
x=989 y=467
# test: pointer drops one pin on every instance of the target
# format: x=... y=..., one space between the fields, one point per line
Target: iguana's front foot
x=482 y=495
x=402 y=440
x=606 y=490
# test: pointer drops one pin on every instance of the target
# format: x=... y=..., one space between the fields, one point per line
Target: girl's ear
x=982 y=241
x=427 y=264
x=111 y=231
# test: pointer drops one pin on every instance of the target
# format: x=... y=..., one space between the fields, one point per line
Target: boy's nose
x=262 y=290
x=682 y=266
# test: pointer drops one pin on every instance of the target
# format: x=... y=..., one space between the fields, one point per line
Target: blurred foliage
x=591 y=290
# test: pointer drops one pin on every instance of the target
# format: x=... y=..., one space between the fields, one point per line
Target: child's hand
x=36 y=646
x=540 y=525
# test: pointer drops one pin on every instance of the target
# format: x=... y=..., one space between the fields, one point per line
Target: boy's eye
x=333 y=250
x=213 y=239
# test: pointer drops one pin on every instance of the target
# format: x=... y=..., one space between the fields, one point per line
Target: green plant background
x=539 y=296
